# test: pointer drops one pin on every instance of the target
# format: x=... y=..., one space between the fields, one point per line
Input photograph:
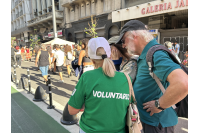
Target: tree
x=92 y=28
x=13 y=42
x=34 y=39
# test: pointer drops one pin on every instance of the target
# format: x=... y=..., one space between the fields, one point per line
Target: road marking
x=184 y=129
x=17 y=123
x=27 y=114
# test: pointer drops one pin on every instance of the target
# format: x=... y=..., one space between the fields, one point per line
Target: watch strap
x=161 y=108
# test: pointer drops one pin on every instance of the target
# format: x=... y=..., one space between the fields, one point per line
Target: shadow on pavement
x=55 y=84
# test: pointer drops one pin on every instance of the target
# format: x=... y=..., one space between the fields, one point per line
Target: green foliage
x=34 y=40
x=92 y=28
x=13 y=42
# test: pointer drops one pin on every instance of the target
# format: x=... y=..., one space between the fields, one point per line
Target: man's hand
x=150 y=106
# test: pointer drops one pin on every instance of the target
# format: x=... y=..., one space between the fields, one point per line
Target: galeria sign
x=164 y=6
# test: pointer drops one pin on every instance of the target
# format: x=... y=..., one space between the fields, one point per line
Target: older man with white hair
x=155 y=109
x=44 y=62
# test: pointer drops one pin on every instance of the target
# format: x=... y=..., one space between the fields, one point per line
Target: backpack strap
x=152 y=50
x=149 y=59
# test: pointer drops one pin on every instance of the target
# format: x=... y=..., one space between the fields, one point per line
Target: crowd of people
x=103 y=91
x=20 y=54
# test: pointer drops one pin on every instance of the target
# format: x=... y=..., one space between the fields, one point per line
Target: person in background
x=18 y=56
x=172 y=45
x=83 y=59
x=22 y=53
x=127 y=63
x=28 y=55
x=59 y=56
x=75 y=66
x=37 y=49
x=177 y=48
x=102 y=113
x=51 y=56
x=68 y=54
x=119 y=55
x=77 y=51
x=13 y=50
x=44 y=62
x=169 y=46
x=53 y=51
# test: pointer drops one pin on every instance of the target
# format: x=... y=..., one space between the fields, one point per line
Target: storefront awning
x=149 y=9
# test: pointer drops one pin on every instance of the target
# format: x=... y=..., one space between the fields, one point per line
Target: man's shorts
x=44 y=70
x=59 y=68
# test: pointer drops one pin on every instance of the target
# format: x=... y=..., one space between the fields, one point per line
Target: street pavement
x=61 y=92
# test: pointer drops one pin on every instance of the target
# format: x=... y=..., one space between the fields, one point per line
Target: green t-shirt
x=106 y=100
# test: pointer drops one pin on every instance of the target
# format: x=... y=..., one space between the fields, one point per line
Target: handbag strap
x=131 y=93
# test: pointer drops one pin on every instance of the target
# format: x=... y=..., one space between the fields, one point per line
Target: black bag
x=182 y=106
x=75 y=61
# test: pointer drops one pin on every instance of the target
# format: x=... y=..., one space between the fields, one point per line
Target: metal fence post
x=15 y=74
x=29 y=81
x=50 y=94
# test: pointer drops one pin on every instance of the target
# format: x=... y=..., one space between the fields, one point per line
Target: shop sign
x=164 y=6
x=154 y=31
x=59 y=33
x=51 y=34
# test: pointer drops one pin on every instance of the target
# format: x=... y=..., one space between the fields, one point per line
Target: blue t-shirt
x=146 y=88
x=117 y=63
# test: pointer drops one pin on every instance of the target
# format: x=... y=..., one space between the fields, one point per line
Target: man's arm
x=49 y=61
x=53 y=58
x=177 y=90
x=178 y=83
x=37 y=57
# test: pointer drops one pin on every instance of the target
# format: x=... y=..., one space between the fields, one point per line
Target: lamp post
x=54 y=19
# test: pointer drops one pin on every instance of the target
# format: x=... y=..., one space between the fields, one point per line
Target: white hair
x=144 y=34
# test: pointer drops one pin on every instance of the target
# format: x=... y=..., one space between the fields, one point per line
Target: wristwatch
x=157 y=104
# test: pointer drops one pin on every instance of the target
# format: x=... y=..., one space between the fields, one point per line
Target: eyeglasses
x=123 y=40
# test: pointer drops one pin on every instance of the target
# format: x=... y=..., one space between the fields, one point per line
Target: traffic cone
x=68 y=119
x=12 y=77
x=20 y=85
x=40 y=95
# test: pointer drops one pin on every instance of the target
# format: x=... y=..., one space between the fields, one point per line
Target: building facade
x=77 y=14
x=167 y=20
x=20 y=15
x=42 y=19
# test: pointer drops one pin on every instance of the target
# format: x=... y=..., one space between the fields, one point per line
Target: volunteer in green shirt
x=103 y=91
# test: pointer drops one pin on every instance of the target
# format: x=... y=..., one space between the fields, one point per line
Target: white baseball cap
x=95 y=43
